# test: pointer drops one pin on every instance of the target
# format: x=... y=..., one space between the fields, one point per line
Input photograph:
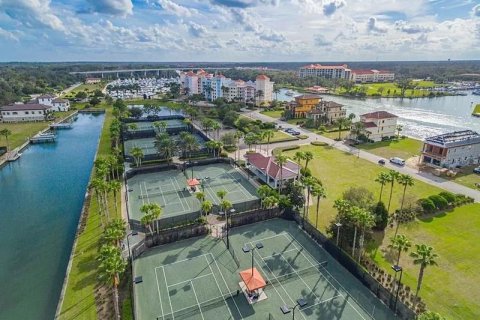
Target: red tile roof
x=379 y=115
x=360 y=71
x=290 y=169
x=308 y=96
x=262 y=77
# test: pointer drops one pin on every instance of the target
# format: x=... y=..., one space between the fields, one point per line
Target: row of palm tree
x=254 y=139
x=209 y=124
x=214 y=146
x=424 y=256
x=151 y=213
x=112 y=265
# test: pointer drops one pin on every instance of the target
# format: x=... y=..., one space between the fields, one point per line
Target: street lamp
x=232 y=211
x=246 y=249
x=338 y=225
x=301 y=302
x=132 y=233
x=397 y=269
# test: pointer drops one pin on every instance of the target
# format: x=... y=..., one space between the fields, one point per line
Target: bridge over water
x=132 y=72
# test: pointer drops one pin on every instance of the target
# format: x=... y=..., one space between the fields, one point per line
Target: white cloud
x=112 y=7
x=476 y=11
x=177 y=9
x=32 y=13
x=406 y=27
x=197 y=30
x=329 y=7
x=320 y=41
x=8 y=35
x=374 y=27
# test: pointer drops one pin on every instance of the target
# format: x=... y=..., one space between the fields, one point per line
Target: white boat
x=289 y=93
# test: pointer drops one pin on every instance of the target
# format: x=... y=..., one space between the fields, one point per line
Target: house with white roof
x=56 y=104
x=266 y=168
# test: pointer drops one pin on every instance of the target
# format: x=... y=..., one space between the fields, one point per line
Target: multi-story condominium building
x=379 y=124
x=453 y=149
x=303 y=105
x=218 y=86
x=24 y=112
x=328 y=72
x=372 y=76
x=327 y=112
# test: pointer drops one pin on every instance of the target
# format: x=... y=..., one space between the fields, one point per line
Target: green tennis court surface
x=147 y=125
x=148 y=144
x=198 y=279
x=169 y=190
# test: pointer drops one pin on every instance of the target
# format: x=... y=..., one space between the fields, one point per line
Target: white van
x=398 y=161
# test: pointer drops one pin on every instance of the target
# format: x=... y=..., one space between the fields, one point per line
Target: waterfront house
x=59 y=104
x=303 y=105
x=55 y=104
x=24 y=112
x=453 y=149
x=267 y=170
x=327 y=112
x=379 y=125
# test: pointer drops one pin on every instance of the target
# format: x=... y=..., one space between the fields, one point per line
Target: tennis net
x=158 y=193
x=314 y=269
x=188 y=312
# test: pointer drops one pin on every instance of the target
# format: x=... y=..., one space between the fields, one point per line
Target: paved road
x=423 y=176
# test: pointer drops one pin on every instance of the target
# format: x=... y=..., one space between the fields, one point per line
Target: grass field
x=280 y=136
x=447 y=288
x=338 y=171
x=277 y=114
x=391 y=89
x=79 y=301
x=403 y=148
x=333 y=134
x=467 y=177
x=88 y=88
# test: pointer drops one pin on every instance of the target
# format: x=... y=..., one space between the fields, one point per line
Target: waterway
x=421 y=117
x=41 y=196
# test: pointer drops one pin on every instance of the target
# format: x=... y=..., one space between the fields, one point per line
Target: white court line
x=168 y=293
x=180 y=282
x=141 y=193
x=321 y=302
x=277 y=254
x=239 y=185
x=296 y=272
x=164 y=201
x=169 y=264
x=146 y=192
x=181 y=200
x=281 y=285
x=159 y=294
x=226 y=286
x=266 y=238
x=218 y=286
x=196 y=298
x=345 y=290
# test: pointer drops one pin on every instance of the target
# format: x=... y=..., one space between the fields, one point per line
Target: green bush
x=302 y=136
x=381 y=216
x=319 y=143
x=230 y=148
x=461 y=199
x=283 y=149
x=427 y=205
x=450 y=197
x=223 y=154
x=306 y=172
x=439 y=201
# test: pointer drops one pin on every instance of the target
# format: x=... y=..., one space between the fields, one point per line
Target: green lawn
x=339 y=171
x=333 y=134
x=391 y=89
x=467 y=177
x=280 y=136
x=23 y=130
x=403 y=148
x=273 y=113
x=79 y=301
x=88 y=88
x=451 y=287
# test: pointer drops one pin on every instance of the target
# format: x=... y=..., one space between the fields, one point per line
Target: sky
x=239 y=30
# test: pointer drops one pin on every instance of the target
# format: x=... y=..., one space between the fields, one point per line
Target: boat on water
x=476 y=92
x=43 y=137
x=461 y=93
x=289 y=93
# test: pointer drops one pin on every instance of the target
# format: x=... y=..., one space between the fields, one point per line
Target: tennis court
x=148 y=144
x=198 y=279
x=169 y=190
x=147 y=125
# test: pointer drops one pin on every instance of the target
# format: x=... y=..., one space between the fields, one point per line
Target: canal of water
x=41 y=196
x=421 y=117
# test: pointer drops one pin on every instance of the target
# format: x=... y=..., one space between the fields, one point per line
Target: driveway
x=423 y=176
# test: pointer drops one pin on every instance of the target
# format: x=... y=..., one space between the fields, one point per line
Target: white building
x=56 y=104
x=328 y=72
x=24 y=112
x=362 y=76
x=379 y=124
x=269 y=171
x=92 y=80
x=217 y=86
x=453 y=149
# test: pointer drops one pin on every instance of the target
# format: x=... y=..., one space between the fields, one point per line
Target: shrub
x=427 y=205
x=303 y=136
x=381 y=216
x=319 y=143
x=450 y=197
x=461 y=199
x=439 y=201
x=283 y=149
x=230 y=148
x=306 y=172
x=223 y=154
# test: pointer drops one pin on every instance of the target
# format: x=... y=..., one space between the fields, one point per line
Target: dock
x=43 y=138
x=65 y=125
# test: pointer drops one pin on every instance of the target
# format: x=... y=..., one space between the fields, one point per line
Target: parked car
x=294 y=133
x=477 y=170
x=288 y=130
x=397 y=161
x=381 y=162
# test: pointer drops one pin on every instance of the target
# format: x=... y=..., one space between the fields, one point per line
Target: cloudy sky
x=238 y=30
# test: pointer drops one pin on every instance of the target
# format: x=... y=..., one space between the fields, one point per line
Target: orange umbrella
x=193 y=182
x=253 y=280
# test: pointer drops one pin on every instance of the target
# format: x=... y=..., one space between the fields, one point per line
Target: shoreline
x=77 y=233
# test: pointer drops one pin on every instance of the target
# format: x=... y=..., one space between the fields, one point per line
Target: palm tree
x=424 y=256
x=400 y=243
x=6 y=133
x=393 y=177
x=206 y=207
x=225 y=205
x=109 y=272
x=383 y=178
x=268 y=134
x=406 y=181
x=97 y=185
x=308 y=157
x=137 y=154
x=115 y=186
x=250 y=139
x=270 y=202
x=264 y=191
x=132 y=126
x=152 y=212
x=258 y=95
x=357 y=129
x=238 y=136
x=299 y=156
x=216 y=126
x=365 y=221
x=115 y=231
x=200 y=196
x=399 y=129
x=276 y=90
x=354 y=216
x=308 y=183
x=318 y=191
x=341 y=123
x=160 y=126
x=165 y=145
x=221 y=194
x=281 y=159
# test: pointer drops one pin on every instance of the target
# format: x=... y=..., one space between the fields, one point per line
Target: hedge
x=427 y=205
x=283 y=149
x=319 y=143
x=450 y=197
x=439 y=201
